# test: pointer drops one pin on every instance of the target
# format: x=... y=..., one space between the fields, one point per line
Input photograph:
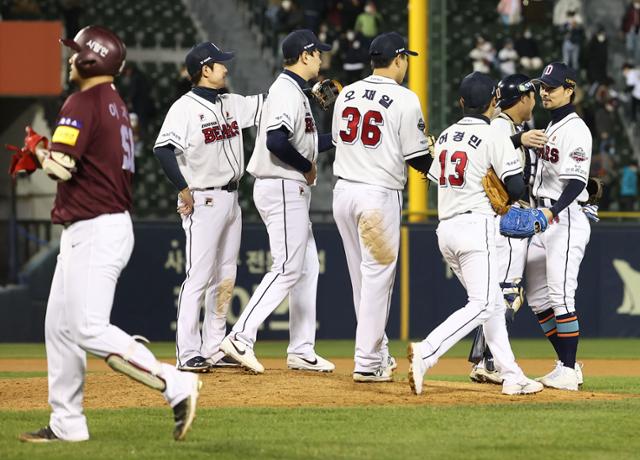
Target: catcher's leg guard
x=137 y=373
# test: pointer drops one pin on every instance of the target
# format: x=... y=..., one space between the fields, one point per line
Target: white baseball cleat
x=578 y=369
x=561 y=378
x=243 y=354
x=525 y=387
x=391 y=364
x=417 y=368
x=379 y=375
x=317 y=364
x=481 y=374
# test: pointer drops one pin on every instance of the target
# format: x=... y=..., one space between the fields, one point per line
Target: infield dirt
x=280 y=387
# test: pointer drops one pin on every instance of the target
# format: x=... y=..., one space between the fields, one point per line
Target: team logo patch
x=65 y=135
x=201 y=116
x=421 y=124
x=66 y=121
x=578 y=154
x=208 y=201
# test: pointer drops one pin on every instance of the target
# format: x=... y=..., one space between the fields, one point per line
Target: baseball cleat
x=562 y=378
x=525 y=387
x=41 y=436
x=196 y=364
x=185 y=411
x=224 y=362
x=243 y=354
x=578 y=369
x=317 y=364
x=480 y=374
x=377 y=376
x=550 y=374
x=391 y=364
x=417 y=369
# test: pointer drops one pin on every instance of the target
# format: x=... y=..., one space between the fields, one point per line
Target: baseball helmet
x=99 y=51
x=511 y=88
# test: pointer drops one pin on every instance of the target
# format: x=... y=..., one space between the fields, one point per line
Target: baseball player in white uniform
x=515 y=96
x=284 y=165
x=377 y=128
x=554 y=257
x=201 y=151
x=467 y=232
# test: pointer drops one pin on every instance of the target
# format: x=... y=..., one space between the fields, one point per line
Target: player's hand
x=311 y=175
x=549 y=215
x=536 y=138
x=185 y=202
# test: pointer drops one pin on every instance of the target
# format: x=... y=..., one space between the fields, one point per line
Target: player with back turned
x=377 y=129
x=91 y=156
x=554 y=257
x=466 y=233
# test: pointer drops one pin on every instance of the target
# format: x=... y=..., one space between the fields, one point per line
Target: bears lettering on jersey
x=309 y=125
x=214 y=132
x=547 y=153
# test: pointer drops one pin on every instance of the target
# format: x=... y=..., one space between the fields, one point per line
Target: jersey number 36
x=459 y=159
x=365 y=126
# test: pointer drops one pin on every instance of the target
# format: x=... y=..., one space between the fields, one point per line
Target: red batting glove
x=32 y=139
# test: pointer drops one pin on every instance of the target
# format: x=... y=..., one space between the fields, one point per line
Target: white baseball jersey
x=464 y=153
x=286 y=106
x=207 y=137
x=566 y=155
x=377 y=126
x=504 y=123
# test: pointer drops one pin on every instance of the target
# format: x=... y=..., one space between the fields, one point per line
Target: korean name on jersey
x=464 y=153
x=377 y=126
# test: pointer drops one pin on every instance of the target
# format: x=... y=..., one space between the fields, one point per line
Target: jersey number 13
x=459 y=159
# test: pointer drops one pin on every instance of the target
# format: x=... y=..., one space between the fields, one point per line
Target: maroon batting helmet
x=100 y=51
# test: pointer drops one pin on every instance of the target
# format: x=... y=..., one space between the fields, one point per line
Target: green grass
x=580 y=430
x=510 y=432
x=523 y=348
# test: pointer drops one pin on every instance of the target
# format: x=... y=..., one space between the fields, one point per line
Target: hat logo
x=310 y=45
x=213 y=44
x=548 y=69
x=207 y=59
x=498 y=93
x=400 y=50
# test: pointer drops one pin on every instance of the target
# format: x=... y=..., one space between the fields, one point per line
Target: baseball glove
x=595 y=188
x=496 y=191
x=522 y=222
x=23 y=162
x=325 y=92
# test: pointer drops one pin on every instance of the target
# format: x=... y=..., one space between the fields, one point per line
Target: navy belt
x=230 y=187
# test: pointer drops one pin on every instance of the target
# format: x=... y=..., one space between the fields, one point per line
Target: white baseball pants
x=213 y=232
x=467 y=242
x=553 y=262
x=283 y=205
x=368 y=219
x=92 y=254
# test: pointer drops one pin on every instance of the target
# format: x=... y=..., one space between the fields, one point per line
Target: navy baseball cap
x=299 y=41
x=202 y=54
x=558 y=74
x=477 y=89
x=389 y=45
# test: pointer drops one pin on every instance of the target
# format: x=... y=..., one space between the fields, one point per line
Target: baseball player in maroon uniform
x=91 y=157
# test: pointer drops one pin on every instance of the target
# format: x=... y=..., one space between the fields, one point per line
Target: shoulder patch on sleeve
x=65 y=135
x=578 y=154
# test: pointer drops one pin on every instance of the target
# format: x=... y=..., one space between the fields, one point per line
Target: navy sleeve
x=279 y=145
x=421 y=163
x=324 y=142
x=515 y=186
x=569 y=194
x=516 y=139
x=167 y=159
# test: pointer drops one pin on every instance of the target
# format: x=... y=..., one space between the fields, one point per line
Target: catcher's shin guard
x=137 y=373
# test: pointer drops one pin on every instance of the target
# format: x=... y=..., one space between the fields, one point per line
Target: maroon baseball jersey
x=93 y=127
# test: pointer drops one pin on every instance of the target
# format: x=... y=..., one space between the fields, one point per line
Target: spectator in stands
x=632 y=81
x=527 y=48
x=349 y=11
x=134 y=88
x=573 y=38
x=26 y=10
x=507 y=58
x=482 y=55
x=369 y=23
x=287 y=17
x=510 y=12
x=602 y=167
x=313 y=11
x=629 y=185
x=631 y=30
x=183 y=83
x=354 y=57
x=597 y=56
x=604 y=121
x=326 y=35
x=562 y=9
